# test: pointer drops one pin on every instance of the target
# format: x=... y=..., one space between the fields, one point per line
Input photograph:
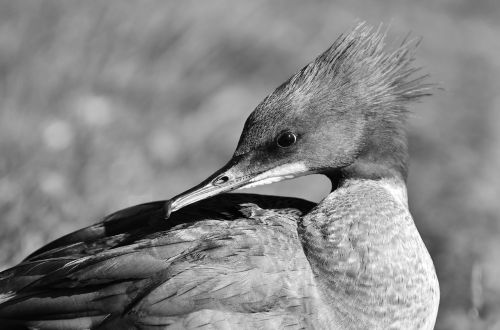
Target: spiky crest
x=358 y=66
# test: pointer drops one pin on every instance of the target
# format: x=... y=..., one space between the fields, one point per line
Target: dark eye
x=286 y=139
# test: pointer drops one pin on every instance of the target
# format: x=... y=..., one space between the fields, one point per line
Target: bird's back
x=239 y=263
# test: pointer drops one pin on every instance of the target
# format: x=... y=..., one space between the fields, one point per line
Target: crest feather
x=359 y=65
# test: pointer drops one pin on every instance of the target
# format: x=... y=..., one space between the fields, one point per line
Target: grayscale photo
x=249 y=165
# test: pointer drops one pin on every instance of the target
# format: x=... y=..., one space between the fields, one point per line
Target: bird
x=210 y=258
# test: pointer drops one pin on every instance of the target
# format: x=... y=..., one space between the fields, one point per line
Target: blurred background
x=106 y=104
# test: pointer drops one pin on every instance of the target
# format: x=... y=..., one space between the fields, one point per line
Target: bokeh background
x=106 y=104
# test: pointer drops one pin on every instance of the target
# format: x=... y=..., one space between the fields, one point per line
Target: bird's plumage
x=232 y=257
x=353 y=261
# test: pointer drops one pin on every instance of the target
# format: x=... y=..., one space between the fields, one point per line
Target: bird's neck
x=370 y=262
x=382 y=154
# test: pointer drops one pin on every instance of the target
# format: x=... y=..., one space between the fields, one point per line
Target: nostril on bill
x=221 y=180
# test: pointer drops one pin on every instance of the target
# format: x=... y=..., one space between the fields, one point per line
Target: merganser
x=242 y=261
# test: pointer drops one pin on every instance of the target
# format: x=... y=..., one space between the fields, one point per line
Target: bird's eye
x=286 y=139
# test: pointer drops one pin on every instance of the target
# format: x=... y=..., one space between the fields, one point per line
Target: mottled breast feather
x=369 y=260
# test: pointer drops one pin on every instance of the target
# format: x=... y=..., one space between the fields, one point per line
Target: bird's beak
x=238 y=173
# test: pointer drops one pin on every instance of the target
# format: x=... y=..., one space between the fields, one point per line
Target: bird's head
x=342 y=115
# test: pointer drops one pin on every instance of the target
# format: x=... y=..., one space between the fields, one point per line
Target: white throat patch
x=280 y=173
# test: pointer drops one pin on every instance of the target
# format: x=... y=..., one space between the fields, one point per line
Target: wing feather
x=134 y=269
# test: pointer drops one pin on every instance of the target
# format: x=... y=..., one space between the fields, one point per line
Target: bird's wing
x=236 y=265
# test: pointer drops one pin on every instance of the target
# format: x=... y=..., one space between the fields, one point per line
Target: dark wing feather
x=222 y=259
